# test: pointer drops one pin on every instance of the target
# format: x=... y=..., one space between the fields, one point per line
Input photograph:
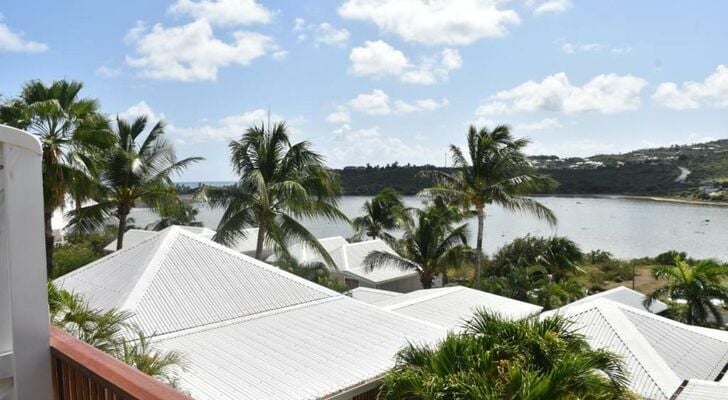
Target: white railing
x=24 y=350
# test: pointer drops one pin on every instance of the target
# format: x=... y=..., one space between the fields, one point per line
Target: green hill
x=693 y=170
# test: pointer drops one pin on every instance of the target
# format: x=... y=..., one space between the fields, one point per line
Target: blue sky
x=381 y=81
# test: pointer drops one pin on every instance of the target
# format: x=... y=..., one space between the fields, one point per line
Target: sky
x=376 y=81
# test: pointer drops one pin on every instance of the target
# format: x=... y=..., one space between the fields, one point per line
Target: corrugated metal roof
x=177 y=280
x=305 y=253
x=690 y=353
x=703 y=390
x=659 y=353
x=305 y=352
x=134 y=236
x=449 y=307
x=247 y=330
x=625 y=296
x=370 y=296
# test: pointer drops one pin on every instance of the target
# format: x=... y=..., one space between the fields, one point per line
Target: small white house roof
x=703 y=390
x=371 y=296
x=134 y=236
x=625 y=296
x=305 y=253
x=246 y=329
x=659 y=353
x=349 y=259
x=450 y=307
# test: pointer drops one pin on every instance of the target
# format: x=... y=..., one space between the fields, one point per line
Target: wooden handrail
x=82 y=372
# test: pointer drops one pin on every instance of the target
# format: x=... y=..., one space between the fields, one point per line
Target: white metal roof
x=134 y=236
x=176 y=280
x=349 y=258
x=246 y=329
x=370 y=296
x=703 y=390
x=305 y=253
x=627 y=297
x=303 y=352
x=449 y=307
x=659 y=353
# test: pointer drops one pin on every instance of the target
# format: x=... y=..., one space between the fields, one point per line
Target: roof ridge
x=116 y=253
x=235 y=320
x=434 y=293
x=152 y=266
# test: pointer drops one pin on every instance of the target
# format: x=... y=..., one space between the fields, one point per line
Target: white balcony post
x=24 y=350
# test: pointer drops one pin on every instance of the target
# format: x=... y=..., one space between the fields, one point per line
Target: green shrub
x=668 y=257
x=69 y=257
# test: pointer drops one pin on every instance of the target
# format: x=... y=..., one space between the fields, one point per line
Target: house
x=247 y=330
x=448 y=307
x=350 y=268
x=134 y=236
x=626 y=296
x=665 y=359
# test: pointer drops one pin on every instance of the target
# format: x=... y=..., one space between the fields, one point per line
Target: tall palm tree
x=495 y=358
x=71 y=132
x=279 y=183
x=384 y=212
x=495 y=171
x=429 y=245
x=133 y=171
x=697 y=284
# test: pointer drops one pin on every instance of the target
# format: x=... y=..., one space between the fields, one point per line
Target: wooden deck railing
x=82 y=372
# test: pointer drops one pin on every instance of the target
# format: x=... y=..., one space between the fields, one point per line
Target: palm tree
x=429 y=245
x=71 y=132
x=383 y=213
x=140 y=354
x=179 y=213
x=495 y=358
x=496 y=171
x=131 y=172
x=279 y=183
x=699 y=285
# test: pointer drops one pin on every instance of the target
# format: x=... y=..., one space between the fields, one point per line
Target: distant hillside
x=697 y=170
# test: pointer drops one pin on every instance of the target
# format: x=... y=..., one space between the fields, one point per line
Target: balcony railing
x=82 y=372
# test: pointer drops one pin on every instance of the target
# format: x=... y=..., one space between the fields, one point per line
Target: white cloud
x=370 y=145
x=232 y=126
x=548 y=6
x=435 y=22
x=606 y=94
x=141 y=109
x=14 y=42
x=223 y=12
x=340 y=116
x=378 y=59
x=712 y=91
x=571 y=48
x=546 y=123
x=107 y=72
x=323 y=33
x=374 y=103
x=378 y=103
x=191 y=52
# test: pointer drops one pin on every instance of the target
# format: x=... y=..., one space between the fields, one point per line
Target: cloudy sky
x=380 y=81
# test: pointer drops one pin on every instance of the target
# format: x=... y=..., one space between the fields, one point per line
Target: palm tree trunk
x=426 y=281
x=122 y=213
x=49 y=241
x=259 y=244
x=479 y=247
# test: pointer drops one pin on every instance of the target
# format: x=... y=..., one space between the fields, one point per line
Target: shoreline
x=673 y=200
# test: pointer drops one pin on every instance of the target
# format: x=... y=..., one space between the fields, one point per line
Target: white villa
x=350 y=268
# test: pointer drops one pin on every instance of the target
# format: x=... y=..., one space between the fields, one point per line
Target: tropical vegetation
x=494 y=171
x=495 y=358
x=279 y=183
x=385 y=212
x=429 y=245
x=133 y=170
x=72 y=133
x=112 y=332
x=700 y=285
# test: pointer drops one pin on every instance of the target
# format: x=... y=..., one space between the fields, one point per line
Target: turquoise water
x=628 y=228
